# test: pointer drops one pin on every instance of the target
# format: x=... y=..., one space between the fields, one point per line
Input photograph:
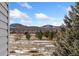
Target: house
x=4 y=28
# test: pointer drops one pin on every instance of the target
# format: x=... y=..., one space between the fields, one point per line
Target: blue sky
x=39 y=13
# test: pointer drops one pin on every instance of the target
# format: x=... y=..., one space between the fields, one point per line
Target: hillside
x=19 y=28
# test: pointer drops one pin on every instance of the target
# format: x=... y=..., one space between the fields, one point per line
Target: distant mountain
x=48 y=26
x=32 y=29
x=16 y=25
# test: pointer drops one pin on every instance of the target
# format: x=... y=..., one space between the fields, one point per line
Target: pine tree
x=46 y=34
x=39 y=35
x=69 y=43
x=51 y=35
x=27 y=35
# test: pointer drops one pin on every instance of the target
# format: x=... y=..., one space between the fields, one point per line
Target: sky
x=39 y=13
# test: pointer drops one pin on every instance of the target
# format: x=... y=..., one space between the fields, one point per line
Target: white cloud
x=27 y=23
x=42 y=16
x=44 y=19
x=18 y=14
x=55 y=22
x=26 y=5
x=69 y=9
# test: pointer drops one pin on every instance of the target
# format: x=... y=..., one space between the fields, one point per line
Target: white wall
x=4 y=28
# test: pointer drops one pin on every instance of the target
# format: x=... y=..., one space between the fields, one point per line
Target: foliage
x=68 y=44
x=27 y=35
x=46 y=34
x=50 y=35
x=39 y=35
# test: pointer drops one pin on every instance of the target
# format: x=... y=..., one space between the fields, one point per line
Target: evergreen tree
x=69 y=42
x=39 y=35
x=50 y=35
x=46 y=34
x=27 y=35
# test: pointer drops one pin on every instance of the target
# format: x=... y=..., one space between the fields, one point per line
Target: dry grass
x=44 y=47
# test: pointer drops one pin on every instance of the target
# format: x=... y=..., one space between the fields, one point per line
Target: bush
x=27 y=35
x=39 y=35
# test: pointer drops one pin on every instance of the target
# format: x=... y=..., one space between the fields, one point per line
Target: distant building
x=4 y=28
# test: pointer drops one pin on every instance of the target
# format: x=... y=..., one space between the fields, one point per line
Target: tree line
x=48 y=34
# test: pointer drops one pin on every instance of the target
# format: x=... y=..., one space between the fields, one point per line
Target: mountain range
x=19 y=28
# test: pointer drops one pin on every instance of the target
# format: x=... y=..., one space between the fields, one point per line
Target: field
x=33 y=47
